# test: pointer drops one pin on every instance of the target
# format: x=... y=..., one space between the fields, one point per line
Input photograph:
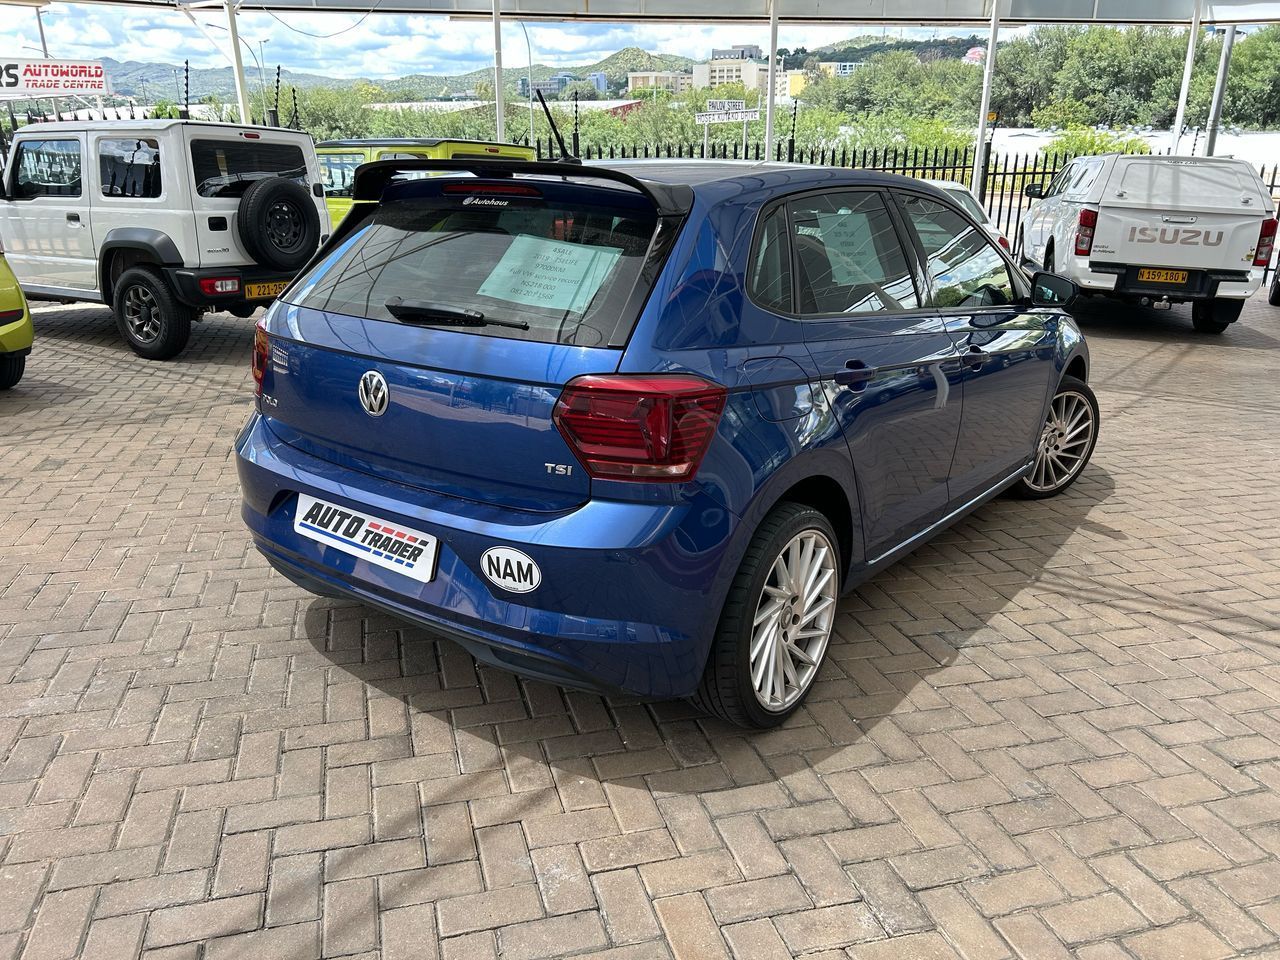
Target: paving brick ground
x=1054 y=732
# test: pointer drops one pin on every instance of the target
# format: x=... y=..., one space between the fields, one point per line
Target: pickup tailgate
x=1180 y=212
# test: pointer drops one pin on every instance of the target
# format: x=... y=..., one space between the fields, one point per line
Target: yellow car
x=16 y=332
x=339 y=159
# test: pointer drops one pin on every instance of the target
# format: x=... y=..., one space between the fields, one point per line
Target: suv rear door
x=224 y=160
x=470 y=410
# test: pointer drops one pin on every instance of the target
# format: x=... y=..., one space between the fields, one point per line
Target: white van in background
x=1157 y=230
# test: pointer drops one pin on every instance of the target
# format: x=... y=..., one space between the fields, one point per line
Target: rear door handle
x=855 y=374
x=74 y=219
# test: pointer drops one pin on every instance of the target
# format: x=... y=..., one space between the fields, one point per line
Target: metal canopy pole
x=499 y=126
x=988 y=76
x=1220 y=89
x=237 y=64
x=773 y=79
x=1187 y=68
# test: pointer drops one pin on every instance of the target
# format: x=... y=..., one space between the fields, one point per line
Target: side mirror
x=1033 y=190
x=1051 y=290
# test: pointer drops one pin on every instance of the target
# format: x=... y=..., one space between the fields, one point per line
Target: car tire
x=1062 y=450
x=150 y=318
x=730 y=688
x=11 y=368
x=1214 y=316
x=1273 y=293
x=278 y=223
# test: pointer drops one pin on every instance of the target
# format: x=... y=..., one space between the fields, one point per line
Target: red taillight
x=10 y=316
x=219 y=286
x=1084 y=232
x=648 y=428
x=1266 y=244
x=261 y=352
x=1004 y=242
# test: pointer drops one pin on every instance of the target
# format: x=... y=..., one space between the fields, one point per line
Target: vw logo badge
x=374 y=393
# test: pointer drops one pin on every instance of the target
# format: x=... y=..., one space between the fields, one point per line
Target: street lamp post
x=529 y=47
x=262 y=81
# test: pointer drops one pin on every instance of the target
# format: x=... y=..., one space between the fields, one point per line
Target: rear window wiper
x=430 y=314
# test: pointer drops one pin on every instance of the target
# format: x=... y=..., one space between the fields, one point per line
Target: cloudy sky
x=380 y=46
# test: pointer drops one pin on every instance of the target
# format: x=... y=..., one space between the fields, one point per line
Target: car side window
x=47 y=168
x=1059 y=182
x=769 y=279
x=129 y=167
x=1083 y=178
x=338 y=172
x=848 y=257
x=965 y=269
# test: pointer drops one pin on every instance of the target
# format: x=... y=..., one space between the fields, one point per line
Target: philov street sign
x=52 y=78
x=720 y=106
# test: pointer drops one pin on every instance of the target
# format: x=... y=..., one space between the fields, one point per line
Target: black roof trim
x=671 y=199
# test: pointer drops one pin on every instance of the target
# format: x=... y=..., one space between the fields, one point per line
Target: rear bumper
x=185 y=282
x=1122 y=280
x=629 y=592
x=16 y=338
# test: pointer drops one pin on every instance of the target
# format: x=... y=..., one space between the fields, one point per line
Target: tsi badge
x=510 y=569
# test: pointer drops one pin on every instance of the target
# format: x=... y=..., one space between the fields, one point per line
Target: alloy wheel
x=1064 y=444
x=793 y=620
x=141 y=314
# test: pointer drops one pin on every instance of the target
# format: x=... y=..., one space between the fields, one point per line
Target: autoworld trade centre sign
x=21 y=79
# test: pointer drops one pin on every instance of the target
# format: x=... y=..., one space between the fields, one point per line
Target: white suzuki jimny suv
x=160 y=219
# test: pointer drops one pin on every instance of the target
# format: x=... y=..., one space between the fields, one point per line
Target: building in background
x=647 y=80
x=789 y=83
x=551 y=87
x=599 y=80
x=839 y=69
x=750 y=73
x=739 y=51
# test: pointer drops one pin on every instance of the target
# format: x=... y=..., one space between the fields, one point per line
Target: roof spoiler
x=372 y=178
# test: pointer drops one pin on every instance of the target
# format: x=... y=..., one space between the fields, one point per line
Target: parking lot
x=1052 y=732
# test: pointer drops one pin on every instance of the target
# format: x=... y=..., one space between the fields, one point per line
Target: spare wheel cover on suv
x=278 y=223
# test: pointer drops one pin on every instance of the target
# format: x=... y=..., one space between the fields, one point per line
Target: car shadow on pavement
x=1101 y=318
x=645 y=782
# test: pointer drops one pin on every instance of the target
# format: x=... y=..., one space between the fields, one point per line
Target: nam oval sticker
x=510 y=569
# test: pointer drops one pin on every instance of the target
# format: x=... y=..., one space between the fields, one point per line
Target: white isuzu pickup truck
x=1155 y=230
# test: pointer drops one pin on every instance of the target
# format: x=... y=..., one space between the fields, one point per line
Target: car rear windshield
x=562 y=259
x=225 y=168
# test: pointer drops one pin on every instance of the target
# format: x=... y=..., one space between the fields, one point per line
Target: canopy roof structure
x=891 y=12
x=1193 y=14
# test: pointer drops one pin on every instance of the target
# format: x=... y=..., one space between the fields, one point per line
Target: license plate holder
x=392 y=546
x=264 y=291
x=1163 y=275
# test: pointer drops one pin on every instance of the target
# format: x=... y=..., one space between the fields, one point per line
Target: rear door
x=48 y=240
x=1007 y=350
x=1179 y=212
x=224 y=161
x=887 y=364
x=552 y=270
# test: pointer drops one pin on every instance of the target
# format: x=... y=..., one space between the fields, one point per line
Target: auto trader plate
x=1151 y=275
x=390 y=545
x=264 y=291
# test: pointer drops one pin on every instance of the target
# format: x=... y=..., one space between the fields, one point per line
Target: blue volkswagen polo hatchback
x=637 y=427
